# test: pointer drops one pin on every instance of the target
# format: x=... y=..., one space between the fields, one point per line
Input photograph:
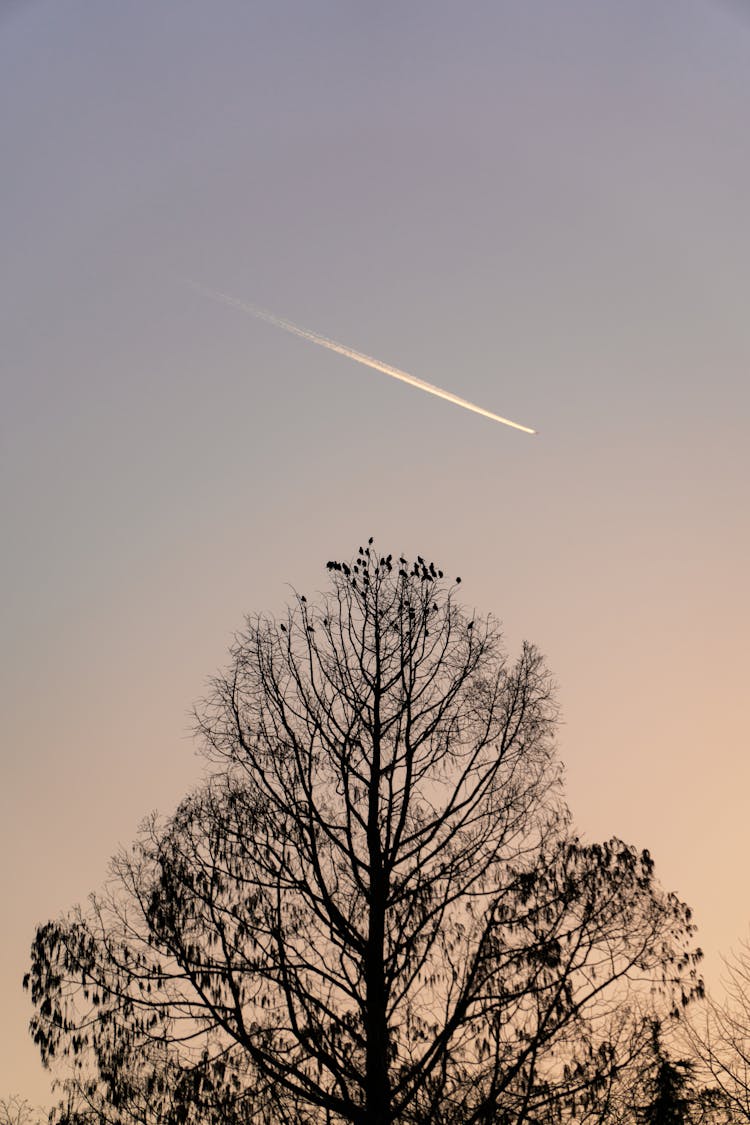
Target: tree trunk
x=377 y=1085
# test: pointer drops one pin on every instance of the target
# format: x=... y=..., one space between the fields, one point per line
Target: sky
x=541 y=207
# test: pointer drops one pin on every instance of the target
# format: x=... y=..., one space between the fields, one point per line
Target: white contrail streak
x=358 y=357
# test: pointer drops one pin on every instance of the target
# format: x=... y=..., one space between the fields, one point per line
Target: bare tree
x=719 y=1034
x=15 y=1110
x=374 y=910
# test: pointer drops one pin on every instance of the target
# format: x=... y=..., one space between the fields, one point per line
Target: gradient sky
x=542 y=207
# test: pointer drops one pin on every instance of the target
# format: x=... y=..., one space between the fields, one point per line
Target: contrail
x=350 y=353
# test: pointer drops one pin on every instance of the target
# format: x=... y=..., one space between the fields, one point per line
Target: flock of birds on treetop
x=360 y=568
x=364 y=563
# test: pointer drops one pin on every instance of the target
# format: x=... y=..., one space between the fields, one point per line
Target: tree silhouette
x=719 y=1034
x=15 y=1110
x=669 y=1093
x=374 y=910
x=668 y=1087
